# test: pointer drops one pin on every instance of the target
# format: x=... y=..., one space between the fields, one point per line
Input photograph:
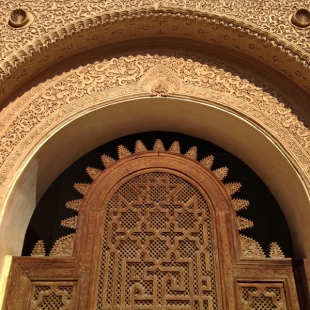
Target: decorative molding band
x=71 y=38
x=185 y=75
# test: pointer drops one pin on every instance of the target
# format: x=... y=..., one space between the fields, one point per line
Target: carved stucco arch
x=241 y=105
x=265 y=34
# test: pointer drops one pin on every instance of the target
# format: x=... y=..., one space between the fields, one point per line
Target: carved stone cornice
x=280 y=46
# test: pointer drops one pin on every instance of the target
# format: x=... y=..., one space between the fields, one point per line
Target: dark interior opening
x=269 y=222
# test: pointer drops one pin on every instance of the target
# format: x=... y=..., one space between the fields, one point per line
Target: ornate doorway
x=155 y=230
x=157 y=249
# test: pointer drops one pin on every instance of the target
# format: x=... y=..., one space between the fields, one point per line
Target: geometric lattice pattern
x=53 y=296
x=157 y=247
x=262 y=296
x=128 y=220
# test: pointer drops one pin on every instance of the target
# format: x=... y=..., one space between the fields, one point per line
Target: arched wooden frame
x=80 y=272
x=95 y=201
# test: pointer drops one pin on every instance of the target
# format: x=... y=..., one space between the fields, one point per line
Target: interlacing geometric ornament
x=157 y=246
x=47 y=296
x=262 y=296
x=250 y=248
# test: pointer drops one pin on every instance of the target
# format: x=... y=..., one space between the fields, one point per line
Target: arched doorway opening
x=214 y=124
x=156 y=229
x=204 y=120
x=283 y=165
x=263 y=210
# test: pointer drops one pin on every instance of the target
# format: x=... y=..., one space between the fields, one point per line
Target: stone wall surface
x=268 y=22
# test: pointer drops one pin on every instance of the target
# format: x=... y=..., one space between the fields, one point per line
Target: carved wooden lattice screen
x=157 y=247
x=155 y=230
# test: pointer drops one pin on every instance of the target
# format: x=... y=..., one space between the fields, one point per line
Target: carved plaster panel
x=261 y=29
x=51 y=16
x=177 y=74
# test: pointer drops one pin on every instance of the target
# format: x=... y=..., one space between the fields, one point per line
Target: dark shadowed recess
x=269 y=222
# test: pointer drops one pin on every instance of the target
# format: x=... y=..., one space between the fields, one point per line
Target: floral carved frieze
x=267 y=15
x=154 y=73
x=60 y=30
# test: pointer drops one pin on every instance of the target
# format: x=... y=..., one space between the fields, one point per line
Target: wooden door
x=155 y=230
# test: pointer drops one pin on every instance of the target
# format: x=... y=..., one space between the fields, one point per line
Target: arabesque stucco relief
x=180 y=74
x=244 y=57
x=262 y=30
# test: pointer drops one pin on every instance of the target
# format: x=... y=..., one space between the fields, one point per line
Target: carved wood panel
x=264 y=296
x=157 y=247
x=53 y=295
x=158 y=231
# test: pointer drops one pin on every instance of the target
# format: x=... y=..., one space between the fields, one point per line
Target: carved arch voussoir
x=160 y=81
x=45 y=109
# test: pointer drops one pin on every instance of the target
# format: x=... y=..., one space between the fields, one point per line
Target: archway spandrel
x=31 y=50
x=62 y=15
x=76 y=91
